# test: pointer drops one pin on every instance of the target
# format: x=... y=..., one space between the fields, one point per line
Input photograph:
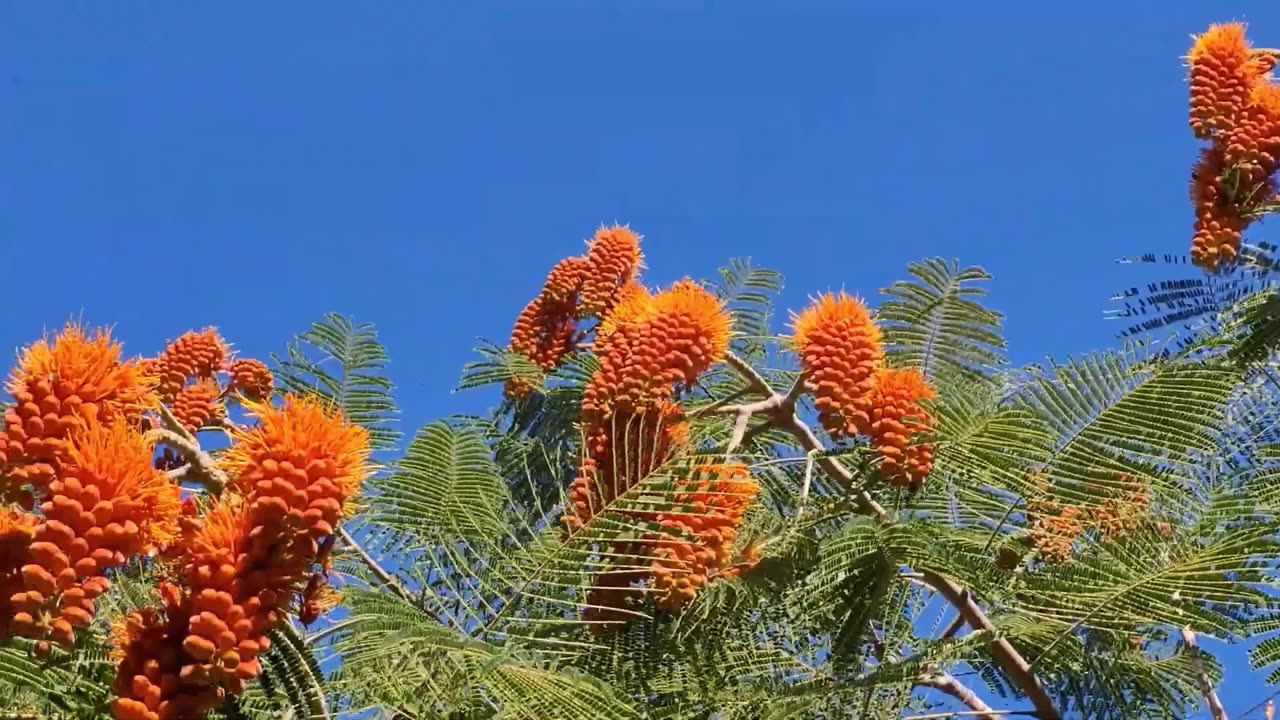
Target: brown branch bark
x=780 y=410
x=1003 y=652
x=958 y=690
x=1202 y=677
x=200 y=467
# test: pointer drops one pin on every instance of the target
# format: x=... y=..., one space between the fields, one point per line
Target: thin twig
x=383 y=576
x=947 y=683
x=1202 y=677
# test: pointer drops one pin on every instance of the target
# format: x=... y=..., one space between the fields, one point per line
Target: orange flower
x=1253 y=145
x=613 y=260
x=545 y=333
x=840 y=349
x=564 y=279
x=1223 y=72
x=708 y=507
x=894 y=414
x=107 y=505
x=193 y=356
x=198 y=405
x=299 y=451
x=653 y=344
x=248 y=558
x=251 y=378
x=1221 y=208
x=56 y=386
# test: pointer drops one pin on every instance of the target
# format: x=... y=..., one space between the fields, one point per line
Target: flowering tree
x=680 y=508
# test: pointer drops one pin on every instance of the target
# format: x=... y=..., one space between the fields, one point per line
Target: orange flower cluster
x=842 y=353
x=1235 y=105
x=613 y=259
x=709 y=508
x=650 y=346
x=251 y=379
x=195 y=355
x=1055 y=526
x=108 y=504
x=190 y=370
x=584 y=286
x=249 y=557
x=841 y=349
x=894 y=415
x=56 y=386
x=198 y=405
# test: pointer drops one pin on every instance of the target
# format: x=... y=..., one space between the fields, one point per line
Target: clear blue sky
x=253 y=165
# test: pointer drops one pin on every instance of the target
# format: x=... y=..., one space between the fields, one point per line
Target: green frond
x=342 y=362
x=498 y=366
x=937 y=322
x=748 y=291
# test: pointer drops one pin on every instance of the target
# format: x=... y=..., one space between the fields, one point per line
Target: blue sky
x=165 y=166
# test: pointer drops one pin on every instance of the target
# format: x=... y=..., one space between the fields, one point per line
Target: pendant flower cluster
x=1235 y=107
x=842 y=354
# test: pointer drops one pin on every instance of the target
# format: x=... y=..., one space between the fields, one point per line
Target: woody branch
x=779 y=411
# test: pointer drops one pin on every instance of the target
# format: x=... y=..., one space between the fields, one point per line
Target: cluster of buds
x=57 y=384
x=1054 y=527
x=1235 y=106
x=243 y=563
x=196 y=373
x=702 y=528
x=842 y=355
x=80 y=495
x=650 y=347
x=577 y=288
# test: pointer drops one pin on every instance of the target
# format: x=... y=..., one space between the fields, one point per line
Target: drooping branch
x=948 y=684
x=1202 y=677
x=780 y=411
x=1004 y=653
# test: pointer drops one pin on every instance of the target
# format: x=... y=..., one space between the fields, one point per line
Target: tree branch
x=1202 y=677
x=781 y=411
x=956 y=689
x=383 y=576
x=1005 y=654
x=200 y=467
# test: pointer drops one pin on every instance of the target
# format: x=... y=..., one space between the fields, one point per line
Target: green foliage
x=464 y=597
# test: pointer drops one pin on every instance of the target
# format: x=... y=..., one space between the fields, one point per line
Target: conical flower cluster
x=842 y=355
x=894 y=416
x=649 y=348
x=1235 y=105
x=251 y=378
x=107 y=505
x=584 y=286
x=703 y=525
x=55 y=387
x=194 y=356
x=293 y=475
x=198 y=404
x=613 y=259
x=840 y=348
